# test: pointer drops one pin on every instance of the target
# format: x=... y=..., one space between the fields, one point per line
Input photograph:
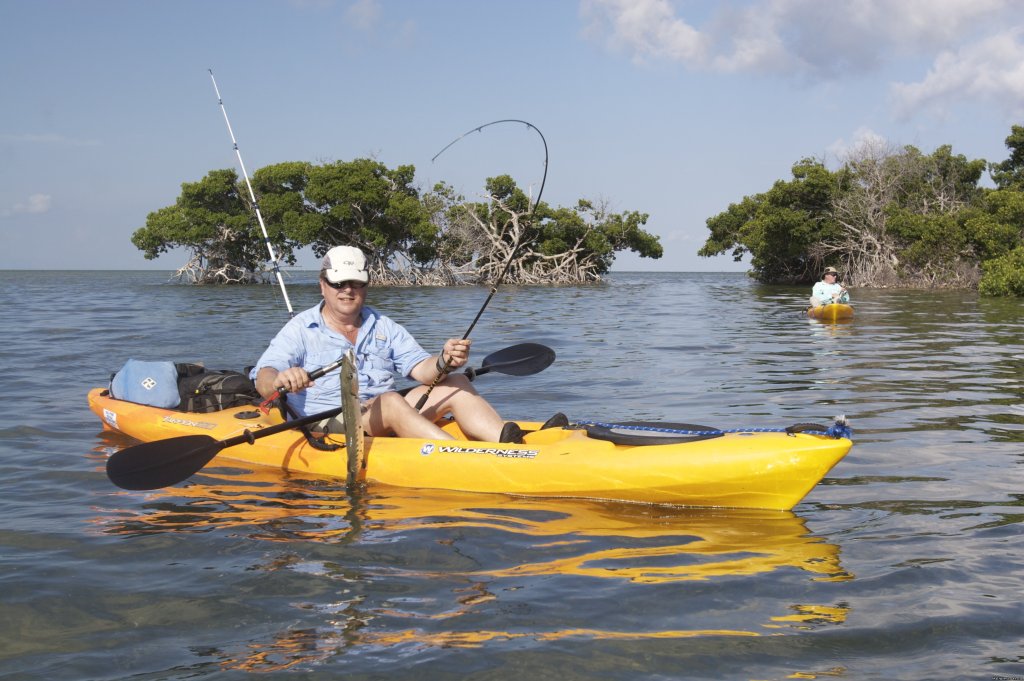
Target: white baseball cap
x=345 y=263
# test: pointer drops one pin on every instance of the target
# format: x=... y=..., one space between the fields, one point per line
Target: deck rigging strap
x=840 y=428
x=288 y=413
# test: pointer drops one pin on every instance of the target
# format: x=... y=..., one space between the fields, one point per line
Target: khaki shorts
x=336 y=424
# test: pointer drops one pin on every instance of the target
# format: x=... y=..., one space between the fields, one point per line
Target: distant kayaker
x=320 y=335
x=828 y=290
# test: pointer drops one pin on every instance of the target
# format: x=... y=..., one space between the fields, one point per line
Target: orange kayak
x=831 y=313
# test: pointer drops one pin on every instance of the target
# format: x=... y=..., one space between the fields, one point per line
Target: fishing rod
x=443 y=363
x=255 y=203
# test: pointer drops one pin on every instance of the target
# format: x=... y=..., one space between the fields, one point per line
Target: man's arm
x=455 y=352
x=269 y=380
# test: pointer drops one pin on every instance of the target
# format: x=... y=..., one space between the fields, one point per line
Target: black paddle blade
x=161 y=463
x=524 y=359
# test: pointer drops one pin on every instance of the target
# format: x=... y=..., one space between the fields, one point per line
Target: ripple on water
x=902 y=564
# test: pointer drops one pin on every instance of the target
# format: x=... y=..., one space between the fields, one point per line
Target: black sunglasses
x=350 y=283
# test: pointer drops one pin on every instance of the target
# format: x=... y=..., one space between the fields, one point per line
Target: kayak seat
x=511 y=433
x=559 y=420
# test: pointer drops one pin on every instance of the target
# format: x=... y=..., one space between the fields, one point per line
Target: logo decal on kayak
x=186 y=422
x=427 y=449
x=496 y=451
x=111 y=418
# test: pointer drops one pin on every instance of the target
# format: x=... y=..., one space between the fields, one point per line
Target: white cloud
x=974 y=45
x=864 y=139
x=46 y=138
x=822 y=38
x=37 y=203
x=647 y=28
x=990 y=70
x=364 y=14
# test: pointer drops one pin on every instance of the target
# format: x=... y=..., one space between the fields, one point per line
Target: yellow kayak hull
x=766 y=470
x=833 y=312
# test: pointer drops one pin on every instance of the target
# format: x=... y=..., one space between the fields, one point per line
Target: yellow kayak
x=744 y=469
x=831 y=313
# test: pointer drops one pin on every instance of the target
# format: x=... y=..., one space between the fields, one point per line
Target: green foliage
x=598 y=233
x=891 y=216
x=727 y=228
x=996 y=226
x=1010 y=173
x=1004 y=276
x=213 y=221
x=503 y=188
x=938 y=182
x=779 y=227
x=931 y=242
x=365 y=204
x=458 y=238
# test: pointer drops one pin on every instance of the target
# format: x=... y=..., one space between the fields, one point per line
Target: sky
x=674 y=108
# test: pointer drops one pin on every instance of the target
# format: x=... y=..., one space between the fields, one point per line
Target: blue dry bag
x=152 y=383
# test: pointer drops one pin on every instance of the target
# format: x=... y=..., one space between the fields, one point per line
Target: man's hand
x=270 y=380
x=456 y=352
x=292 y=379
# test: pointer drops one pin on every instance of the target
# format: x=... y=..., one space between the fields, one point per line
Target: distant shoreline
x=313 y=271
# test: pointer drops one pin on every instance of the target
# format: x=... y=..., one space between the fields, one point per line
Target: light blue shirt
x=824 y=291
x=383 y=348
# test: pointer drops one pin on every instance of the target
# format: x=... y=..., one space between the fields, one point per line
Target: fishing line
x=443 y=365
x=255 y=203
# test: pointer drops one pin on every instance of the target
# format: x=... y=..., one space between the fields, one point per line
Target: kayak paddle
x=524 y=359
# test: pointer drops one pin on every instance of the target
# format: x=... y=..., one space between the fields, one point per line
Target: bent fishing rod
x=255 y=203
x=443 y=363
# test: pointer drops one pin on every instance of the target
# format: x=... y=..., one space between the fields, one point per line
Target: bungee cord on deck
x=839 y=428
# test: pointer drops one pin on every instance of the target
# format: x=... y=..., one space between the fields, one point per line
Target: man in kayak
x=828 y=291
x=320 y=335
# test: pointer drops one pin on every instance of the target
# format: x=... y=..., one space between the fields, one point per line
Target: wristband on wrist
x=442 y=368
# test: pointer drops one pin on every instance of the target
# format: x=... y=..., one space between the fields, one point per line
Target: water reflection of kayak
x=601 y=539
x=395 y=566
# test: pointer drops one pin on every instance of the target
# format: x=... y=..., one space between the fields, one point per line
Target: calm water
x=903 y=564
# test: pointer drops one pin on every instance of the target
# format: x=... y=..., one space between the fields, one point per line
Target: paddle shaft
x=250 y=437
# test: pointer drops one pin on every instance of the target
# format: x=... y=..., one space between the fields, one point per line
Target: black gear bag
x=205 y=390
